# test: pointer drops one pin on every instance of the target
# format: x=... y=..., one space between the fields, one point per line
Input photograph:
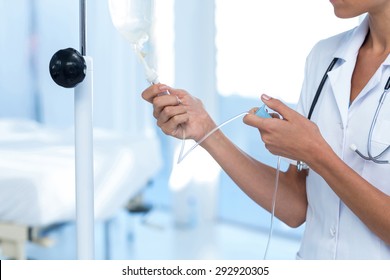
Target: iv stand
x=71 y=69
x=84 y=152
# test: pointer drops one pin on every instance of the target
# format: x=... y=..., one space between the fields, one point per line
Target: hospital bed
x=37 y=178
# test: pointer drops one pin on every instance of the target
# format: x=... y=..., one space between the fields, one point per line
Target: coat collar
x=340 y=76
x=352 y=43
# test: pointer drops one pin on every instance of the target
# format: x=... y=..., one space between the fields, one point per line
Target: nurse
x=343 y=199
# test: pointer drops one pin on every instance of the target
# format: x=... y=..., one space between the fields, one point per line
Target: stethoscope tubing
x=369 y=156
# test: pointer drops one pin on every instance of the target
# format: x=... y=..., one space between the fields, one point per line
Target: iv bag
x=132 y=18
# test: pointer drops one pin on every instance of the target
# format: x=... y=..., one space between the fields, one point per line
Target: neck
x=378 y=39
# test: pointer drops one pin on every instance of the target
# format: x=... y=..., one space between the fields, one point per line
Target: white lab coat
x=332 y=231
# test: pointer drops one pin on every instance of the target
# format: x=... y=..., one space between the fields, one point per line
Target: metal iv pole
x=71 y=69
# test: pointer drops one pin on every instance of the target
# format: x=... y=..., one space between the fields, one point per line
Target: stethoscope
x=369 y=156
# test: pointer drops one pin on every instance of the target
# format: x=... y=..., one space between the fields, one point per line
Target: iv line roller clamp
x=72 y=69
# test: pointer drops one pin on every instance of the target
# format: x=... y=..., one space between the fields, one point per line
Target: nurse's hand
x=292 y=135
x=178 y=112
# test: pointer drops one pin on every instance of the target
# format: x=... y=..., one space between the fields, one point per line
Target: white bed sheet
x=37 y=172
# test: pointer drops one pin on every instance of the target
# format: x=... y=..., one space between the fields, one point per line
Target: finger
x=163 y=101
x=252 y=120
x=278 y=106
x=153 y=91
x=253 y=110
x=169 y=112
x=180 y=93
x=173 y=127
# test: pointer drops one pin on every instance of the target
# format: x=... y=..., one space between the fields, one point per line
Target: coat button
x=332 y=231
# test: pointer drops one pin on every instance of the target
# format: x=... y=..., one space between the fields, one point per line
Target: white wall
x=15 y=81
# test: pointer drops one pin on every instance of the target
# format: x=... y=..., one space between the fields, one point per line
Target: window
x=262 y=45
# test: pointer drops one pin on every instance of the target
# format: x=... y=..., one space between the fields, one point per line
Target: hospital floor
x=154 y=235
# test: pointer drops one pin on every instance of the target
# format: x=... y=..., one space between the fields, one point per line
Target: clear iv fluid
x=132 y=18
x=136 y=37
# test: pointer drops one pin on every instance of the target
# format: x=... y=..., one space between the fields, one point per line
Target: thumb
x=174 y=91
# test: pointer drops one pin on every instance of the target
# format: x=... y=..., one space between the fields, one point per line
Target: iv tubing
x=181 y=158
x=273 y=209
x=151 y=75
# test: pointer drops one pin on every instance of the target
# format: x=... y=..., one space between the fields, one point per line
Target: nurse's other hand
x=292 y=135
x=178 y=112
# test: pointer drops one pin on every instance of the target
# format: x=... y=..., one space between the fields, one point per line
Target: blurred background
x=225 y=52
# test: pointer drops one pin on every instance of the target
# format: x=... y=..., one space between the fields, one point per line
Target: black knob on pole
x=67 y=68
